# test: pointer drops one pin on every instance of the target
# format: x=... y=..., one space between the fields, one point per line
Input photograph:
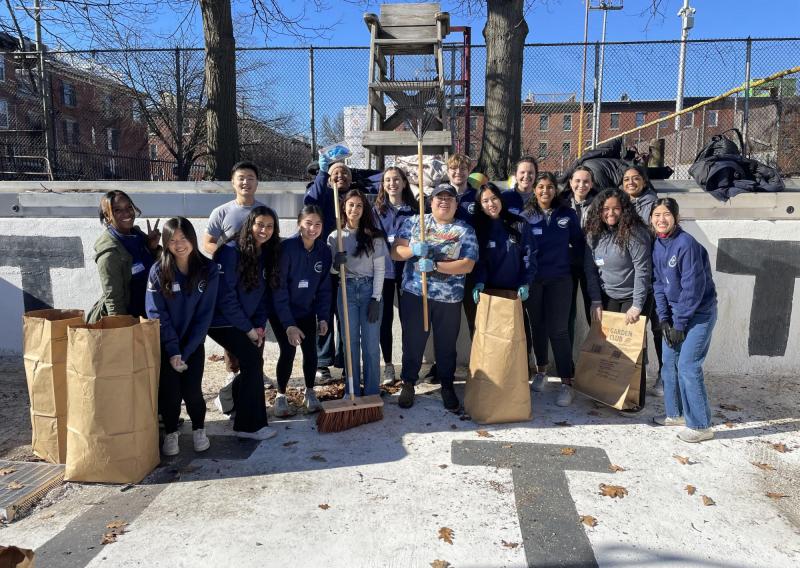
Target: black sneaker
x=431 y=377
x=449 y=398
x=406 y=396
x=323 y=374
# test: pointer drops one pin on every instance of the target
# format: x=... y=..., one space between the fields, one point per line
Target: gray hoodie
x=620 y=273
x=645 y=203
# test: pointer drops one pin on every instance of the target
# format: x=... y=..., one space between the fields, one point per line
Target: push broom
x=352 y=410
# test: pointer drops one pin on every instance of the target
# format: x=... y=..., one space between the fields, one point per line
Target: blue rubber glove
x=425 y=265
x=522 y=292
x=476 y=292
x=419 y=248
x=324 y=163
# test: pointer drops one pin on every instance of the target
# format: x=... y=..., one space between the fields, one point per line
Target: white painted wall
x=79 y=288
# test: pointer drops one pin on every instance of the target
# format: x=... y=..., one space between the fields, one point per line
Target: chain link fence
x=140 y=114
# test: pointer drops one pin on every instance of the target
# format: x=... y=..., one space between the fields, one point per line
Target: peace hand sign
x=153 y=235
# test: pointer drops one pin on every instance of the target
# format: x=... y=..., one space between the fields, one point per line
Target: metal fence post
x=598 y=93
x=311 y=101
x=746 y=112
x=179 y=115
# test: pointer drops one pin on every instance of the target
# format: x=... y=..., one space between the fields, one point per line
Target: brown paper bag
x=44 y=348
x=497 y=388
x=13 y=557
x=112 y=399
x=610 y=361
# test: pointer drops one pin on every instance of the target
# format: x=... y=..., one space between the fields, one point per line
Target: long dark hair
x=567 y=192
x=309 y=210
x=629 y=222
x=642 y=171
x=532 y=206
x=198 y=265
x=106 y=208
x=382 y=200
x=250 y=253
x=482 y=221
x=367 y=231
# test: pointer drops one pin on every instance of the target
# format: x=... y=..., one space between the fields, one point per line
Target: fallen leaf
x=484 y=434
x=507 y=446
x=15 y=485
x=562 y=423
x=7 y=471
x=509 y=544
x=116 y=525
x=615 y=468
x=612 y=490
x=779 y=447
x=324 y=506
x=729 y=425
x=731 y=407
x=318 y=458
x=683 y=460
x=589 y=520
x=690 y=489
x=708 y=501
x=446 y=534
x=443 y=466
x=567 y=451
x=216 y=357
x=289 y=443
x=764 y=466
x=108 y=538
x=776 y=496
x=441 y=564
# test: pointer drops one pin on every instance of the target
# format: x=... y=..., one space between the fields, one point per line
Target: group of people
x=624 y=246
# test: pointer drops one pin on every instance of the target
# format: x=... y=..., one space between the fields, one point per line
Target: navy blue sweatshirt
x=321 y=194
x=559 y=241
x=305 y=282
x=390 y=222
x=467 y=204
x=236 y=306
x=682 y=282
x=513 y=201
x=186 y=316
x=505 y=262
x=142 y=259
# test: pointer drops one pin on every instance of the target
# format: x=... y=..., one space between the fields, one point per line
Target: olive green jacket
x=114 y=265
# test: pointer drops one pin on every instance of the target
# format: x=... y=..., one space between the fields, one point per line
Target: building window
x=27 y=82
x=107 y=105
x=640 y=118
x=688 y=120
x=567 y=122
x=68 y=95
x=112 y=139
x=544 y=122
x=566 y=149
x=71 y=131
x=542 y=150
x=154 y=151
x=4 y=122
x=712 y=119
x=614 y=121
x=663 y=114
x=473 y=124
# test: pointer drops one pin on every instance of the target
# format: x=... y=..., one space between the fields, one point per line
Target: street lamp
x=605 y=6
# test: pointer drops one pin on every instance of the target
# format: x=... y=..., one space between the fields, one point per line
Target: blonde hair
x=458 y=160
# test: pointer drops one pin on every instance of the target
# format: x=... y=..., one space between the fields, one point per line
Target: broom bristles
x=328 y=422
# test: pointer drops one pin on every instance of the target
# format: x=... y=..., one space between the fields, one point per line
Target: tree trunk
x=504 y=33
x=220 y=71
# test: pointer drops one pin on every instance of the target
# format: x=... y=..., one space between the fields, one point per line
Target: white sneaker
x=669 y=420
x=658 y=388
x=311 y=402
x=693 y=436
x=538 y=382
x=201 y=443
x=565 y=396
x=388 y=374
x=268 y=383
x=264 y=434
x=171 y=447
x=280 y=408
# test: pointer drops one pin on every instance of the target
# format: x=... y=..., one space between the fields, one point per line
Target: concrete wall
x=49 y=260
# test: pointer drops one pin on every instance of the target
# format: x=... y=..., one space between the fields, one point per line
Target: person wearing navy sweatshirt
x=332 y=178
x=515 y=198
x=506 y=250
x=559 y=239
x=301 y=305
x=394 y=204
x=686 y=301
x=248 y=266
x=181 y=294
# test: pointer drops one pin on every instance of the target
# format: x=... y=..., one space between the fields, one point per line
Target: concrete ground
x=425 y=487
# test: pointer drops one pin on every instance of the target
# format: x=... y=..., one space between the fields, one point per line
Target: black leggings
x=579 y=277
x=283 y=370
x=187 y=386
x=620 y=307
x=248 y=388
x=548 y=309
x=391 y=289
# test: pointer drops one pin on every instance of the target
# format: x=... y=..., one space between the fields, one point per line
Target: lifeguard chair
x=406 y=71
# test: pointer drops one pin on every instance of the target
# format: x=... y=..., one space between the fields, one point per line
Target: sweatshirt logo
x=201 y=286
x=563 y=222
x=318 y=267
x=673 y=262
x=471 y=208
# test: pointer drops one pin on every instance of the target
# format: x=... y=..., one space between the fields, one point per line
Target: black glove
x=673 y=336
x=338 y=260
x=373 y=310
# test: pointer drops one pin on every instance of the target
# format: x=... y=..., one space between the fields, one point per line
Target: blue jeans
x=682 y=373
x=364 y=336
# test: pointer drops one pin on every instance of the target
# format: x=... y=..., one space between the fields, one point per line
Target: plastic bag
x=335 y=152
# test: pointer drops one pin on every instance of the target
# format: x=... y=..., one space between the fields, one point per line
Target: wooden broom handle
x=343 y=287
x=420 y=173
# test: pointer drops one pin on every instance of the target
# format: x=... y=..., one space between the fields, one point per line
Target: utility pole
x=49 y=142
x=583 y=81
x=605 y=6
x=687 y=22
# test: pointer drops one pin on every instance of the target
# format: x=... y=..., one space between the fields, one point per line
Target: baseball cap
x=444 y=188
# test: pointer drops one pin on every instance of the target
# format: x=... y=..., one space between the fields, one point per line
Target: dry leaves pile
x=613 y=491
x=116 y=528
x=446 y=534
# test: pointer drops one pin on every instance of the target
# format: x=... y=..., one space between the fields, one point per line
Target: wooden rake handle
x=343 y=286
x=421 y=179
